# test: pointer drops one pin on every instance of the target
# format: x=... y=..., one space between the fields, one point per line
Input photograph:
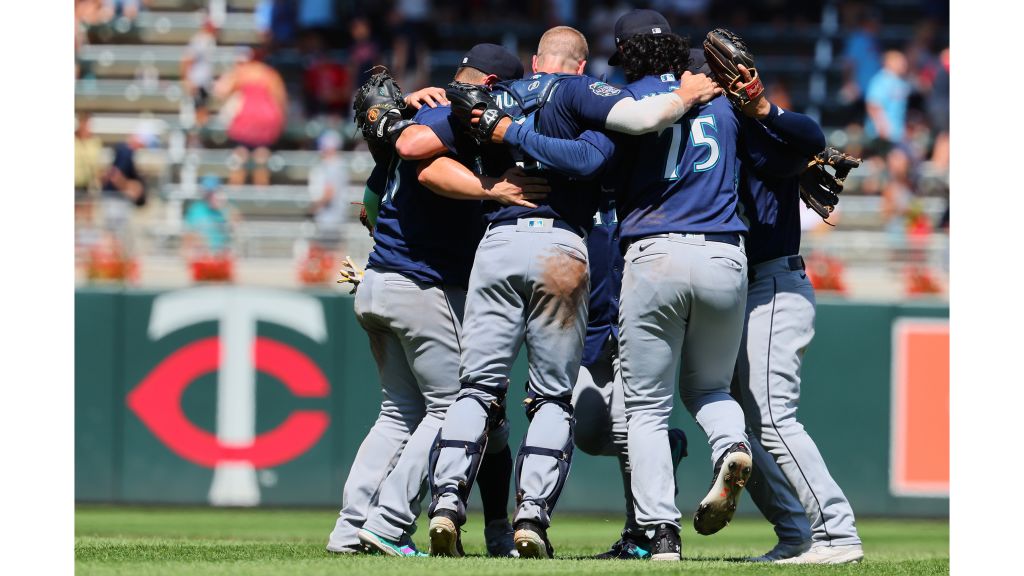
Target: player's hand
x=498 y=136
x=350 y=273
x=431 y=96
x=515 y=188
x=697 y=89
x=759 y=107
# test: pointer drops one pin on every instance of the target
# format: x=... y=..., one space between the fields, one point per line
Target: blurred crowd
x=894 y=101
x=291 y=87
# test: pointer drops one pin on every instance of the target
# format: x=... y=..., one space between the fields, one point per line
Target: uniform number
x=698 y=137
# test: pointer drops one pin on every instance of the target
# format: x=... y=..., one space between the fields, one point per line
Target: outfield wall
x=253 y=396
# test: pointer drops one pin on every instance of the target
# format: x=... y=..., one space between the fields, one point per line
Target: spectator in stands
x=328 y=181
x=886 y=100
x=197 y=70
x=127 y=9
x=91 y=12
x=601 y=32
x=694 y=12
x=364 y=52
x=256 y=106
x=326 y=85
x=922 y=61
x=88 y=165
x=861 y=53
x=277 y=20
x=123 y=187
x=940 y=152
x=208 y=222
x=938 y=99
x=898 y=192
x=410 y=52
x=317 y=19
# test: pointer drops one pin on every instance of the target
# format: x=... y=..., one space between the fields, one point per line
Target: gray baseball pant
x=530 y=283
x=414 y=336
x=774 y=497
x=682 y=300
x=779 y=327
x=600 y=413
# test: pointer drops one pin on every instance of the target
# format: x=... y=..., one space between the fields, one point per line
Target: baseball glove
x=380 y=112
x=350 y=273
x=464 y=99
x=818 y=188
x=724 y=52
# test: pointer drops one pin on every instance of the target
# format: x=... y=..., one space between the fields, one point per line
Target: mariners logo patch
x=604 y=89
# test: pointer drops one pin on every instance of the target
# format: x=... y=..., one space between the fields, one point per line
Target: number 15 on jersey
x=699 y=136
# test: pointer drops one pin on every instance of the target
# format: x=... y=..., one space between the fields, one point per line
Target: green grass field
x=145 y=541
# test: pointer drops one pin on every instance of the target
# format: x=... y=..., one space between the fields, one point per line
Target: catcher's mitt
x=818 y=188
x=464 y=99
x=350 y=273
x=724 y=52
x=380 y=112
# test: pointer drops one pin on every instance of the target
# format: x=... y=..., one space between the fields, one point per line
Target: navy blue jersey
x=420 y=234
x=576 y=104
x=685 y=178
x=606 y=265
x=771 y=202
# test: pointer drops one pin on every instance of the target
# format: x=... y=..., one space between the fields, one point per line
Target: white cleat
x=828 y=555
x=731 y=474
x=782 y=551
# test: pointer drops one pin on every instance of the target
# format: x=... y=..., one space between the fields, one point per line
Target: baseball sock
x=493 y=479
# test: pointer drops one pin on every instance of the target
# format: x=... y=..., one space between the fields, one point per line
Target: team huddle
x=634 y=239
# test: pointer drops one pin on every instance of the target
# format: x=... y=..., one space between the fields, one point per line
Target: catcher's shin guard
x=475 y=452
x=546 y=503
x=495 y=411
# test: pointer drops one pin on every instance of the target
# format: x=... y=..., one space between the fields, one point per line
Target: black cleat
x=445 y=538
x=531 y=540
x=629 y=547
x=731 y=474
x=665 y=544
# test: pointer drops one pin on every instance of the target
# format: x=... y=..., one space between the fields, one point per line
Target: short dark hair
x=655 y=54
x=470 y=75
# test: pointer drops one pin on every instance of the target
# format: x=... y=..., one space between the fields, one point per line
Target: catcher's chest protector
x=521 y=99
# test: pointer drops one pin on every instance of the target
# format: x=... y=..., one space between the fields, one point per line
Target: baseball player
x=779 y=325
x=684 y=287
x=528 y=284
x=598 y=404
x=410 y=303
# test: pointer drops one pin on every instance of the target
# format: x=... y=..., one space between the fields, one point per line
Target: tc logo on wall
x=236 y=354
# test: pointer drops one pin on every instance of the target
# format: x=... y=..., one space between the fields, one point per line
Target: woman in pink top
x=257 y=103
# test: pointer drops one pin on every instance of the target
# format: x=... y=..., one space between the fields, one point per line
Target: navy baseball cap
x=698 y=63
x=494 y=59
x=635 y=23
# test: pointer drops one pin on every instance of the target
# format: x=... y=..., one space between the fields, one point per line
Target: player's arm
x=419 y=142
x=798 y=130
x=371 y=203
x=447 y=177
x=655 y=113
x=604 y=106
x=584 y=158
x=372 y=196
x=766 y=154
